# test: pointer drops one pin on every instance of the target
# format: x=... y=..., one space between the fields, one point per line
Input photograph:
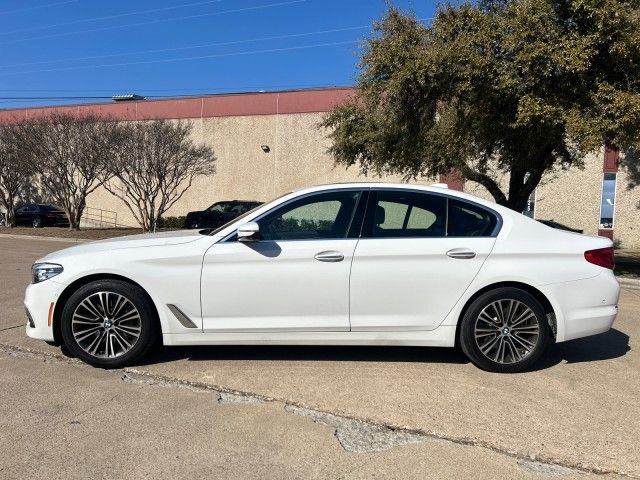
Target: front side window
x=326 y=215
x=407 y=214
x=607 y=204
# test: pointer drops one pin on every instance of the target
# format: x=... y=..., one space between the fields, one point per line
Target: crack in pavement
x=10 y=328
x=357 y=436
x=353 y=434
x=132 y=376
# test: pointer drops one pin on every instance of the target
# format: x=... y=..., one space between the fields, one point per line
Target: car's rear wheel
x=109 y=323
x=504 y=330
x=37 y=222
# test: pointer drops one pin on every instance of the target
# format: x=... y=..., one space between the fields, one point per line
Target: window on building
x=530 y=208
x=607 y=205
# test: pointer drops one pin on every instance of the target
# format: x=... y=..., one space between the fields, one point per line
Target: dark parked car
x=219 y=213
x=560 y=226
x=41 y=215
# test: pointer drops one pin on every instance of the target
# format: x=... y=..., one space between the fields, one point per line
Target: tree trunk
x=10 y=217
x=79 y=211
x=519 y=189
x=73 y=225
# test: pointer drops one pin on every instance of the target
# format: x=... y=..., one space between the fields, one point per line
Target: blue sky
x=53 y=48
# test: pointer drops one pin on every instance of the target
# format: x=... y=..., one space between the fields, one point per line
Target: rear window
x=468 y=220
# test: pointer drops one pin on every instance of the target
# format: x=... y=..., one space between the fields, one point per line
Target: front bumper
x=39 y=299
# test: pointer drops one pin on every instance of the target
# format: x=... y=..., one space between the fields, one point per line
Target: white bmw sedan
x=349 y=264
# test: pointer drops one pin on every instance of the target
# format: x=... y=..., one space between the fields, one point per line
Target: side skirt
x=443 y=336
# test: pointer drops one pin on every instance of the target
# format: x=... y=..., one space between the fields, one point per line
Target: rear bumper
x=584 y=307
x=55 y=222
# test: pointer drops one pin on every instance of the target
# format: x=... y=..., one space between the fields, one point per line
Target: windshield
x=213 y=231
x=219 y=207
x=49 y=208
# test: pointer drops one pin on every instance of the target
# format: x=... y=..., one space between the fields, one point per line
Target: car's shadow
x=313 y=353
x=606 y=346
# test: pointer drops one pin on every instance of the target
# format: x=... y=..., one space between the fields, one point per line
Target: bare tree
x=15 y=171
x=70 y=155
x=156 y=163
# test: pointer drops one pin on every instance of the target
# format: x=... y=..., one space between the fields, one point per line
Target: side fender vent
x=182 y=318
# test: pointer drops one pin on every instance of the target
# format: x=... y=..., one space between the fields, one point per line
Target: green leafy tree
x=510 y=88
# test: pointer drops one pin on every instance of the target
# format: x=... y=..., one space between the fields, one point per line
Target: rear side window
x=407 y=214
x=403 y=214
x=468 y=220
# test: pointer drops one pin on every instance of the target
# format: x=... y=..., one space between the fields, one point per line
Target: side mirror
x=248 y=232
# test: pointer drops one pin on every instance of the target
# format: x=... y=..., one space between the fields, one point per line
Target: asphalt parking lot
x=299 y=412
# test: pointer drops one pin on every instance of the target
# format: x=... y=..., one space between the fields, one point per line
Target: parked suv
x=41 y=215
x=219 y=213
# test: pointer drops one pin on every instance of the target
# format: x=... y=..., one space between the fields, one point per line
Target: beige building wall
x=298 y=158
x=572 y=197
x=627 y=214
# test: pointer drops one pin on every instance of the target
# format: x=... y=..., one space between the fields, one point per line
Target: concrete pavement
x=63 y=420
x=579 y=409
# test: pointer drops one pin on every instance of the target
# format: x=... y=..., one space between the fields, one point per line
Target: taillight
x=602 y=257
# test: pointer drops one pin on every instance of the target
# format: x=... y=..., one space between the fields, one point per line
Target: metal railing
x=104 y=218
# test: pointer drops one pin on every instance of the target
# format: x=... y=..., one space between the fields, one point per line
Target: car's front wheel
x=109 y=323
x=504 y=330
x=37 y=222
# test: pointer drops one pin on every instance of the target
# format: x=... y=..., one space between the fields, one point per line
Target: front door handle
x=464 y=253
x=329 y=256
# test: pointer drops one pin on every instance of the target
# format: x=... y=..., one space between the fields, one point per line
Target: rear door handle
x=329 y=256
x=463 y=253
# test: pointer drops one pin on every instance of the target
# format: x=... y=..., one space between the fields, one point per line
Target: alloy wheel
x=106 y=324
x=507 y=331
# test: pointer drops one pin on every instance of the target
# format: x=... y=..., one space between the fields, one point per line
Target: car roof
x=438 y=188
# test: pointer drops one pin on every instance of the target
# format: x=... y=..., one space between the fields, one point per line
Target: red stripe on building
x=223 y=105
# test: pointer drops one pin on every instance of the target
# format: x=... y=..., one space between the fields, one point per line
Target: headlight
x=44 y=271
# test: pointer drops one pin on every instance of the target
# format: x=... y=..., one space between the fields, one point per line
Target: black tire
x=37 y=222
x=476 y=331
x=147 y=319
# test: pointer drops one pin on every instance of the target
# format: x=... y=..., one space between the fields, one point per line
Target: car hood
x=129 y=241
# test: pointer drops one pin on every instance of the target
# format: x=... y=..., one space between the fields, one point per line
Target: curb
x=629 y=282
x=47 y=239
